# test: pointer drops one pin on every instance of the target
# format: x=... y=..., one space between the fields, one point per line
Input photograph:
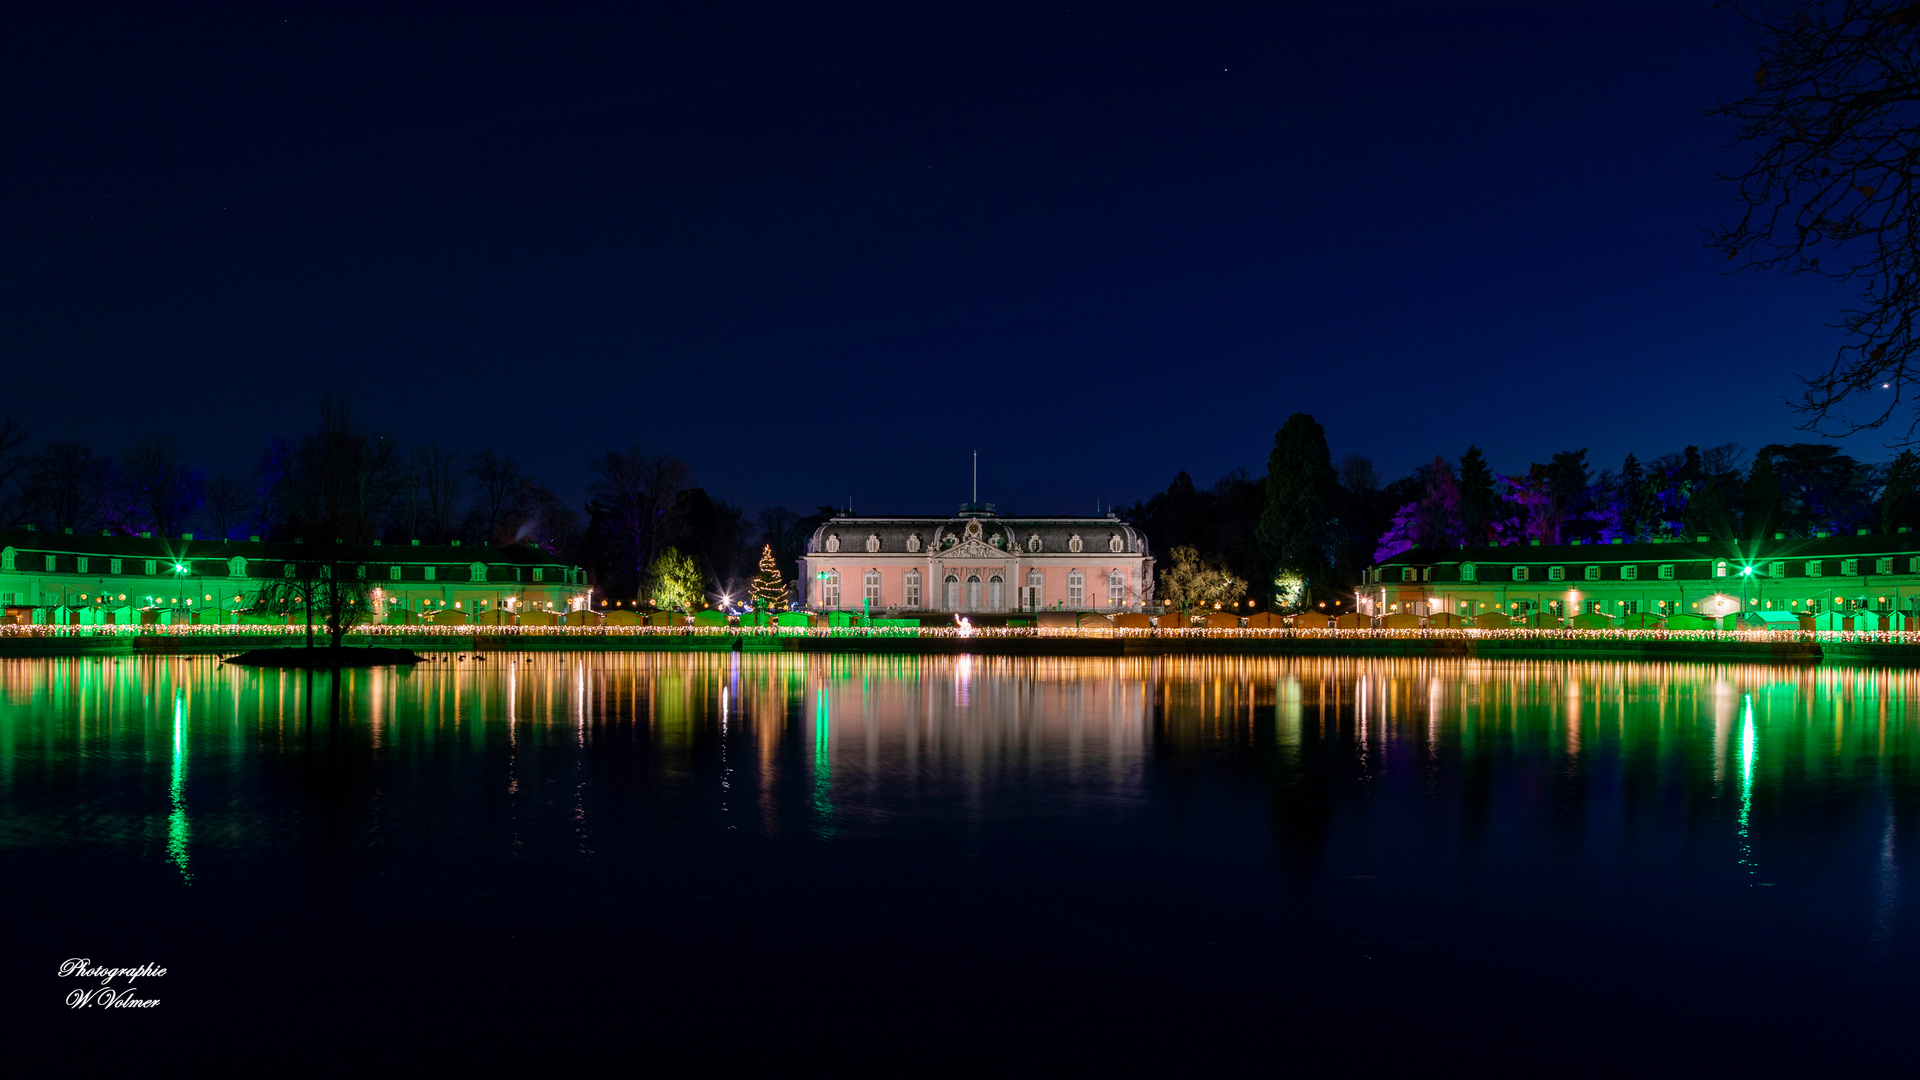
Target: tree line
x=1310 y=526
x=647 y=526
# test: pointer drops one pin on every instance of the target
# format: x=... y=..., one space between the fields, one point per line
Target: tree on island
x=769 y=590
x=331 y=489
x=1834 y=173
x=675 y=580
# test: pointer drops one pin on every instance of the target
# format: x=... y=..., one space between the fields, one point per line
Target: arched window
x=996 y=593
x=1076 y=589
x=1116 y=588
x=870 y=589
x=913 y=542
x=953 y=593
x=1116 y=543
x=873 y=542
x=913 y=588
x=973 y=592
x=1467 y=571
x=1033 y=541
x=830 y=589
x=833 y=542
x=1073 y=543
x=1035 y=587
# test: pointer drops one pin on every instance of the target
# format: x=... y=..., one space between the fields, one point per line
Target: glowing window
x=1593 y=573
x=1116 y=588
x=1666 y=571
x=1556 y=573
x=913 y=588
x=830 y=589
x=870 y=589
x=1076 y=589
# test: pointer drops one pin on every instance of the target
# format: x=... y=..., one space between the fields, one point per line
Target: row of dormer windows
x=1776 y=568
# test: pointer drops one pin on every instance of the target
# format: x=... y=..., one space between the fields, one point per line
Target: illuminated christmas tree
x=769 y=590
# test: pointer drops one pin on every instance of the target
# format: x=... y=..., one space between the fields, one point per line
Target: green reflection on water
x=177 y=828
x=823 y=764
x=1748 y=745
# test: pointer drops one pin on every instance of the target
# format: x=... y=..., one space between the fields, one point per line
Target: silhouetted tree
x=158 y=492
x=502 y=497
x=225 y=505
x=1295 y=525
x=1836 y=137
x=14 y=465
x=66 y=486
x=1477 y=499
x=1900 y=498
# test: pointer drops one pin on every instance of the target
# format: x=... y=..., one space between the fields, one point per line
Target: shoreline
x=1841 y=648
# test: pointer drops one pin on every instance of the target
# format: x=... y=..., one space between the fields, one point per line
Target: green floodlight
x=179 y=568
x=1746 y=571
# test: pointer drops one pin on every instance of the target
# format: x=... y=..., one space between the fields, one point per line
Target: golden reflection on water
x=867 y=737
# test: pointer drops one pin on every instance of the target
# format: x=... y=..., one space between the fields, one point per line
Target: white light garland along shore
x=504 y=633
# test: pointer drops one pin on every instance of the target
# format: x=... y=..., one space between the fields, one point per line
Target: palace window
x=1849 y=567
x=1813 y=567
x=1883 y=566
x=1076 y=588
x=870 y=589
x=1777 y=568
x=1519 y=573
x=1720 y=568
x=830 y=589
x=996 y=593
x=913 y=588
x=1467 y=572
x=1406 y=573
x=1666 y=571
x=1913 y=565
x=1629 y=573
x=393 y=573
x=953 y=592
x=50 y=565
x=83 y=564
x=1593 y=573
x=1116 y=588
x=286 y=569
x=873 y=542
x=1035 y=587
x=913 y=542
x=1073 y=543
x=536 y=574
x=1556 y=573
x=1033 y=541
x=153 y=567
x=833 y=542
x=113 y=566
x=1115 y=543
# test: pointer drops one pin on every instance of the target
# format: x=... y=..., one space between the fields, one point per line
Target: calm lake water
x=905 y=865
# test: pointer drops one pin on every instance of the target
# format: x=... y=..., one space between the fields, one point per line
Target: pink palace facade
x=976 y=562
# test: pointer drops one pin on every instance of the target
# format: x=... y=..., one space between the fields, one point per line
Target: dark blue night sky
x=823 y=251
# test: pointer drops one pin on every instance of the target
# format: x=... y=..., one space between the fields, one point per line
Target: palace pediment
x=974 y=549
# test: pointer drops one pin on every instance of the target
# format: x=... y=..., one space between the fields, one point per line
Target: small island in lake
x=324 y=657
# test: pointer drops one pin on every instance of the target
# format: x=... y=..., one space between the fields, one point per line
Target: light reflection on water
x=1420 y=816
